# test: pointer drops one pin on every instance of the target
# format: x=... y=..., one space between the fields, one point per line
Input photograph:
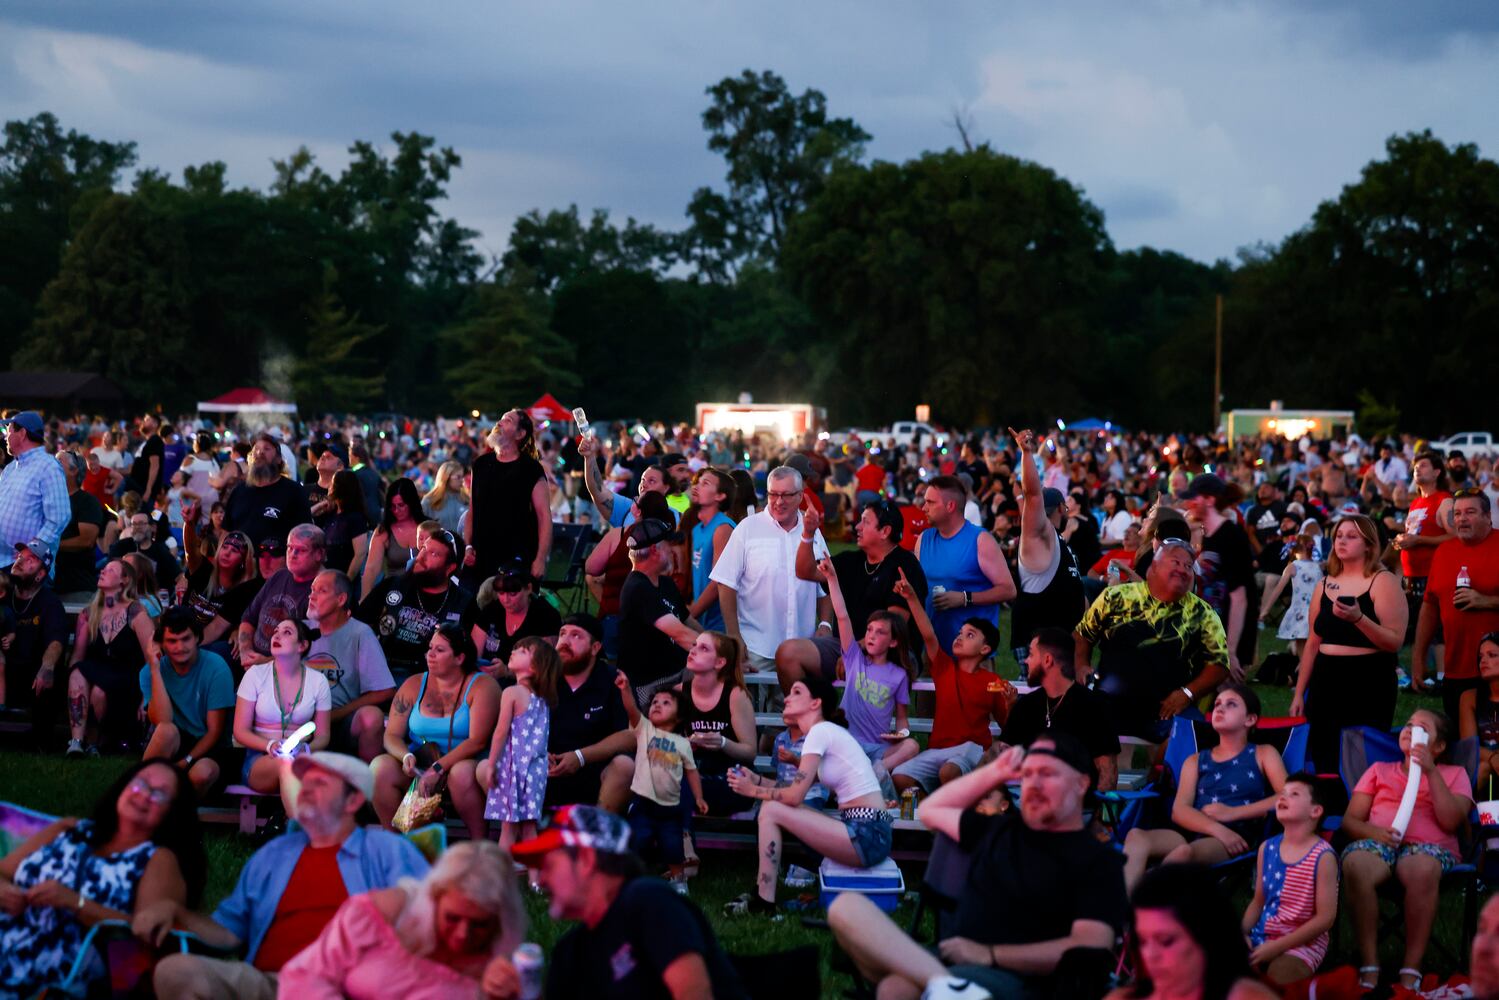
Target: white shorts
x=926 y=766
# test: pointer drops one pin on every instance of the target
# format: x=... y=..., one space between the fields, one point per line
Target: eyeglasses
x=783 y=496
x=158 y=796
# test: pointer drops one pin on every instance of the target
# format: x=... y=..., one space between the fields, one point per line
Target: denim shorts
x=871 y=832
x=1390 y=856
x=926 y=767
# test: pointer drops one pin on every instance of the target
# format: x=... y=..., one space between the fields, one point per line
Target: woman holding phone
x=1347 y=671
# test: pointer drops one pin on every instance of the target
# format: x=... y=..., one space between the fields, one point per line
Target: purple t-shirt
x=871 y=692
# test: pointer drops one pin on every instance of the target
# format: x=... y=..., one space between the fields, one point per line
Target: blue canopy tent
x=1093 y=424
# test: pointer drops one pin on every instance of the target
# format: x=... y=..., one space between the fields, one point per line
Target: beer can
x=938 y=589
x=908 y=804
x=529 y=962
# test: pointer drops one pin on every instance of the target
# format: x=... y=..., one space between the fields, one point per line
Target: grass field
x=64 y=787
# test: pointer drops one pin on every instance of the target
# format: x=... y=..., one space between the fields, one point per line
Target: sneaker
x=92 y=750
x=75 y=749
x=798 y=877
x=953 y=988
x=746 y=904
x=678 y=886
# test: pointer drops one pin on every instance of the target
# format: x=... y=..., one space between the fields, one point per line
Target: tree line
x=978 y=282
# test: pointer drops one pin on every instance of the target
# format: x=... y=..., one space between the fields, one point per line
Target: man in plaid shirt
x=33 y=489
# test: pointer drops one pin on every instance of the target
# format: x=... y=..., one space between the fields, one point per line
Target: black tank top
x=1059 y=604
x=1333 y=630
x=715 y=720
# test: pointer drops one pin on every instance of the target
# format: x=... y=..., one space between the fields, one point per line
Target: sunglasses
x=158 y=796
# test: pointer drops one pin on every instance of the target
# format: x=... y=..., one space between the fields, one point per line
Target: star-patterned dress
x=520 y=777
x=1237 y=781
x=1290 y=899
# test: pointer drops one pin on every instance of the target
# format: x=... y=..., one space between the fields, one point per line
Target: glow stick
x=1412 y=786
x=289 y=745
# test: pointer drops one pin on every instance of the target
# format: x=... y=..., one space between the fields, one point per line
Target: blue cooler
x=883 y=884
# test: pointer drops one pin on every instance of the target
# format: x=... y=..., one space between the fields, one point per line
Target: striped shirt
x=1290 y=892
x=33 y=502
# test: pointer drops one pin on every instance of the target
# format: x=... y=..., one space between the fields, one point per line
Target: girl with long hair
x=274 y=700
x=447 y=500
x=112 y=640
x=718 y=717
x=346 y=532
x=515 y=775
x=395 y=540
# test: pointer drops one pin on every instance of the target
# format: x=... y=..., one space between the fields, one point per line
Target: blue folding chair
x=1362 y=746
x=112 y=962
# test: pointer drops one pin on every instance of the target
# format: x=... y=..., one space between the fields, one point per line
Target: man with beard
x=288 y=890
x=1039 y=888
x=1462 y=595
x=1162 y=648
x=42 y=630
x=590 y=744
x=266 y=504
x=1051 y=585
x=1058 y=704
x=405 y=610
x=283 y=596
x=76 y=553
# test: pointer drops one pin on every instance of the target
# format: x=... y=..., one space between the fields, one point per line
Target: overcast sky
x=1198 y=127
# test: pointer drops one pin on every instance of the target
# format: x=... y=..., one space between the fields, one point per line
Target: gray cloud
x=1196 y=126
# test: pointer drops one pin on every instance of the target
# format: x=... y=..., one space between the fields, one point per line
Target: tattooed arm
x=754 y=786
x=400 y=714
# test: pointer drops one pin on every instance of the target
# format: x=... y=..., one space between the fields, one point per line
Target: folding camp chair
x=112 y=962
x=570 y=545
x=1362 y=746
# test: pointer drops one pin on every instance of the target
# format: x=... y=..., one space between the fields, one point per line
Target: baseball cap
x=339 y=451
x=1204 y=485
x=1052 y=498
x=672 y=458
x=1069 y=750
x=588 y=623
x=39 y=547
x=576 y=826
x=29 y=419
x=645 y=533
x=270 y=547
x=353 y=770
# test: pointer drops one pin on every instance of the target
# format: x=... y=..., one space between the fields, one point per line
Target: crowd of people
x=351 y=616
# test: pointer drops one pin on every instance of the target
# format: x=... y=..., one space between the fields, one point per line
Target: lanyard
x=286 y=713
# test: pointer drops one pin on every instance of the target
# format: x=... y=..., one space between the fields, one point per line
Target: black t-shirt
x=75 y=567
x=580 y=719
x=1027 y=886
x=1264 y=520
x=266 y=511
x=339 y=532
x=39 y=622
x=1081 y=712
x=541 y=620
x=1225 y=564
x=645 y=652
x=404 y=617
x=504 y=522
x=864 y=591
x=1084 y=542
x=645 y=930
x=140 y=469
x=166 y=565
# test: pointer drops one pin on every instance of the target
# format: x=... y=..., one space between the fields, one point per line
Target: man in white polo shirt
x=763 y=601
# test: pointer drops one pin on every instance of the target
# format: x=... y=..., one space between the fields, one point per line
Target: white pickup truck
x=904 y=432
x=1469 y=444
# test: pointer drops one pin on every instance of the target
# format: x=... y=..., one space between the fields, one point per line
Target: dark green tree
x=337 y=370
x=501 y=353
x=46 y=175
x=780 y=148
x=958 y=279
x=119 y=305
x=556 y=247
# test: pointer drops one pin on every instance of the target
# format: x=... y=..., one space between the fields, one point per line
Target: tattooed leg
x=77 y=705
x=770 y=852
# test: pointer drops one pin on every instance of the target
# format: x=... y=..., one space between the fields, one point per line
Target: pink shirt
x=359 y=956
x=1386 y=782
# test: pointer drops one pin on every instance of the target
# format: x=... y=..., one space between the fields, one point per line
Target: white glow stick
x=288 y=746
x=1412 y=787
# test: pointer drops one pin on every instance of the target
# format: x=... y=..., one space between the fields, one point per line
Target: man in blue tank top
x=966 y=573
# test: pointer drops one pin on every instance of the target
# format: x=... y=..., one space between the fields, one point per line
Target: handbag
x=417 y=809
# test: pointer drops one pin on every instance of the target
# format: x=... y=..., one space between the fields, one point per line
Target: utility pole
x=1218 y=365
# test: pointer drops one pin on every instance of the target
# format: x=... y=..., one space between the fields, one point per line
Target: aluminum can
x=529 y=962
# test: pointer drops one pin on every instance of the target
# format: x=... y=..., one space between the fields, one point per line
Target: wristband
x=808 y=539
x=967 y=598
x=82 y=901
x=581 y=761
x=411 y=757
x=903 y=733
x=1188 y=692
x=826 y=625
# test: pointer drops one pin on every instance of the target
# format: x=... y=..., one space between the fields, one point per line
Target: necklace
x=22 y=612
x=421 y=601
x=289 y=710
x=1050 y=708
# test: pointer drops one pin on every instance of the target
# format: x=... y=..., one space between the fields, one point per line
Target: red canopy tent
x=247 y=399
x=547 y=408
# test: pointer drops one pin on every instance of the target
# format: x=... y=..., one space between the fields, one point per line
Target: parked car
x=1470 y=444
x=904 y=432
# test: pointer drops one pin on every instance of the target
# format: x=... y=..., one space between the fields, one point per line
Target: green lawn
x=64 y=787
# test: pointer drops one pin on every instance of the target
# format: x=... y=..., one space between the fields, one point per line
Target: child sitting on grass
x=1295 y=888
x=663 y=758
